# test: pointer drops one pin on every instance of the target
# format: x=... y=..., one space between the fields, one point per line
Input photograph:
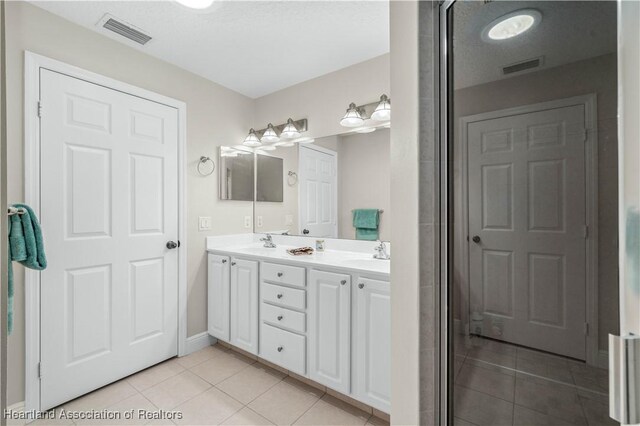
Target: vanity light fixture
x=269 y=135
x=352 y=118
x=383 y=110
x=290 y=130
x=252 y=139
x=511 y=25
x=305 y=140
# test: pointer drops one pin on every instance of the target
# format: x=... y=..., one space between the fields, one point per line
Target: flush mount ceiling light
x=290 y=130
x=196 y=4
x=383 y=110
x=511 y=25
x=269 y=135
x=252 y=139
x=352 y=118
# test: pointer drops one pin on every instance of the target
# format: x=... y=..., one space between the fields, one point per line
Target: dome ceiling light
x=511 y=25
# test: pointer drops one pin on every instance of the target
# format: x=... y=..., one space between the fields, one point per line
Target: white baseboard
x=603 y=359
x=199 y=341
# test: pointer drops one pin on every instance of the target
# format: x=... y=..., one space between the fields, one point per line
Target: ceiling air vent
x=125 y=30
x=522 y=66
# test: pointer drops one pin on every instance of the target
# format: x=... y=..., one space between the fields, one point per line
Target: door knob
x=280 y=348
x=305 y=231
x=476 y=239
x=343 y=282
x=171 y=245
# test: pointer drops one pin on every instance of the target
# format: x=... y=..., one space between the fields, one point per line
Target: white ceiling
x=252 y=47
x=569 y=31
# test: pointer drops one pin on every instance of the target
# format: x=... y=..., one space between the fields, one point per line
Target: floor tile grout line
x=312 y=405
x=516 y=371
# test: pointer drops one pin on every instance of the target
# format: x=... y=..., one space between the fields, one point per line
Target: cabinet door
x=330 y=329
x=244 y=304
x=372 y=343
x=218 y=296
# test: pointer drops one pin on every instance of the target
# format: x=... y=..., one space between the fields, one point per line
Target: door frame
x=589 y=101
x=335 y=185
x=32 y=65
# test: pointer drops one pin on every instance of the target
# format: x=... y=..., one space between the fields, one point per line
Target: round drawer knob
x=343 y=282
x=233 y=263
x=279 y=296
x=224 y=260
x=280 y=317
x=280 y=348
x=280 y=274
x=360 y=285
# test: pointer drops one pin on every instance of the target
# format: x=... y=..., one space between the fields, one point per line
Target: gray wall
x=596 y=75
x=363 y=179
x=216 y=115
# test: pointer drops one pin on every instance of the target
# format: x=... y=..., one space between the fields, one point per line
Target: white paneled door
x=109 y=206
x=318 y=195
x=527 y=246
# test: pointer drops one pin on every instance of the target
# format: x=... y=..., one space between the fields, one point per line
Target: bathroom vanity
x=325 y=316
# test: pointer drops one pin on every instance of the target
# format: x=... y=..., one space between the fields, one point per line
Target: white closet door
x=527 y=215
x=109 y=206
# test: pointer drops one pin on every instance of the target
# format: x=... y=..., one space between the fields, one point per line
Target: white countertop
x=349 y=260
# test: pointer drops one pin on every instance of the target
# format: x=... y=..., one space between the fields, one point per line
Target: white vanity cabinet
x=322 y=321
x=244 y=304
x=371 y=343
x=329 y=329
x=218 y=296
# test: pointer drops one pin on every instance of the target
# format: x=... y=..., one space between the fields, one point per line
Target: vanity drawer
x=284 y=348
x=284 y=296
x=284 y=274
x=283 y=317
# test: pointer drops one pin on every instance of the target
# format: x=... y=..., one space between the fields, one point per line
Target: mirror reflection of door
x=318 y=196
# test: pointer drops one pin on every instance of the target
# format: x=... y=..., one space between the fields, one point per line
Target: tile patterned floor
x=501 y=384
x=216 y=386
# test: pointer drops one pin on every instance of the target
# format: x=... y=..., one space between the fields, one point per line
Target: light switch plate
x=259 y=224
x=204 y=223
x=247 y=221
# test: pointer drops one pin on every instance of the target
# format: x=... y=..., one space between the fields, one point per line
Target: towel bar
x=12 y=210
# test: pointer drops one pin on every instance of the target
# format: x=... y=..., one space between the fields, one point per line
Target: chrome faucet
x=381 y=251
x=268 y=241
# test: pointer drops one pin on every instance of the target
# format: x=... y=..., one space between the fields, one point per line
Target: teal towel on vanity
x=366 y=222
x=26 y=246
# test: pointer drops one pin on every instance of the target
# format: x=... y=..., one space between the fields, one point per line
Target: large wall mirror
x=336 y=187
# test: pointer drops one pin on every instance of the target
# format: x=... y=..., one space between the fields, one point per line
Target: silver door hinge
x=39 y=370
x=39 y=109
x=586 y=232
x=586 y=328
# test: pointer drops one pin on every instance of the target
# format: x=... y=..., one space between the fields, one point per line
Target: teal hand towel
x=26 y=246
x=366 y=222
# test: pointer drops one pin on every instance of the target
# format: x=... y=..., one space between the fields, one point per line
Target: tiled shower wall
x=429 y=217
